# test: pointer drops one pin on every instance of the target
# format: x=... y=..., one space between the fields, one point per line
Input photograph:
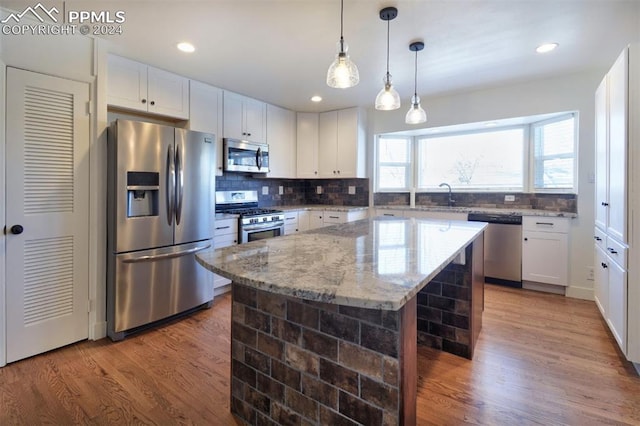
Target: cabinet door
x=601 y=281
x=126 y=83
x=255 y=120
x=327 y=144
x=618 y=89
x=307 y=145
x=349 y=164
x=545 y=257
x=205 y=114
x=617 y=312
x=304 y=216
x=168 y=93
x=281 y=137
x=602 y=142
x=233 y=120
x=316 y=219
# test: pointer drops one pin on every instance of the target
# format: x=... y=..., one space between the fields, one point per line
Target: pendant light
x=342 y=72
x=388 y=98
x=416 y=114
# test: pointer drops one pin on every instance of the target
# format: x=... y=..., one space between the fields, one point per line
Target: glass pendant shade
x=388 y=98
x=342 y=73
x=416 y=114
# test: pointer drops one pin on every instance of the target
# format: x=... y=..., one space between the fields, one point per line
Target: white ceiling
x=279 y=50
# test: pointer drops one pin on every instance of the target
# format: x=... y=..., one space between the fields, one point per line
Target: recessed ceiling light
x=316 y=98
x=547 y=47
x=186 y=47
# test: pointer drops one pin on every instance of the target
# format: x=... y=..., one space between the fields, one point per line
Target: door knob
x=17 y=229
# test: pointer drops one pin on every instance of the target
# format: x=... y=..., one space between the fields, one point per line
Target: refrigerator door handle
x=170 y=182
x=166 y=255
x=179 y=184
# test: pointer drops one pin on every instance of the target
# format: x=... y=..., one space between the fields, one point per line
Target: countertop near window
x=489 y=210
x=322 y=207
x=347 y=264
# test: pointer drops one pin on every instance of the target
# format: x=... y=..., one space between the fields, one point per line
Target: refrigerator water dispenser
x=143 y=189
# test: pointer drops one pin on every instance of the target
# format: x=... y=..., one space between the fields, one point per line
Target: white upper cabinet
x=340 y=145
x=602 y=160
x=135 y=86
x=205 y=106
x=244 y=118
x=281 y=137
x=307 y=145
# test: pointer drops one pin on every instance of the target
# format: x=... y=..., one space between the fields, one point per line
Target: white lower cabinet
x=545 y=250
x=225 y=235
x=316 y=219
x=291 y=222
x=610 y=292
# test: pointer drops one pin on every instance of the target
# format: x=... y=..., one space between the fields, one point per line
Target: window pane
x=486 y=160
x=393 y=150
x=554 y=154
x=556 y=173
x=391 y=177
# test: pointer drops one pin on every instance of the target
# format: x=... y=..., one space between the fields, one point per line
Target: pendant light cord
x=415 y=78
x=341 y=25
x=388 y=49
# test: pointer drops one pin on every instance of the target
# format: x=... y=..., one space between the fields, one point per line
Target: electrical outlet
x=281 y=190
x=590 y=276
x=265 y=190
x=318 y=189
x=352 y=190
x=509 y=198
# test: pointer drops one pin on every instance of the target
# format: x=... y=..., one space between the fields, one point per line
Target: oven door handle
x=270 y=225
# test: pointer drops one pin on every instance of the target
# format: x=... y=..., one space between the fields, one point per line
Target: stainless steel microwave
x=245 y=156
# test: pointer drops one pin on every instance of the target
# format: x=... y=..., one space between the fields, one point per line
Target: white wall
x=573 y=92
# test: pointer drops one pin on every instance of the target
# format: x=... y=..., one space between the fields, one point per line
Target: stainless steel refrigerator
x=161 y=209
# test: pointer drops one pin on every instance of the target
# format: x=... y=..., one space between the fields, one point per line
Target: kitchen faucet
x=451 y=200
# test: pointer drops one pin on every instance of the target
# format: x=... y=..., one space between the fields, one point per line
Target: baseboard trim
x=546 y=288
x=580 y=293
x=99 y=331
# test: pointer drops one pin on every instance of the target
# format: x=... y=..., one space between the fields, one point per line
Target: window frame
x=409 y=174
x=529 y=160
x=532 y=155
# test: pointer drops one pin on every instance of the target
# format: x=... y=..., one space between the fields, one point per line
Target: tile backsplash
x=298 y=191
x=554 y=202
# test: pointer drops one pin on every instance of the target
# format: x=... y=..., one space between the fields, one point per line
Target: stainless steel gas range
x=254 y=223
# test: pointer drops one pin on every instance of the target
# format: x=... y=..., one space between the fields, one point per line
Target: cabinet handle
x=144 y=101
x=388 y=214
x=289 y=218
x=611 y=250
x=597 y=238
x=315 y=173
x=153 y=102
x=338 y=171
x=526 y=239
x=334 y=172
x=545 y=223
x=334 y=217
x=223 y=227
x=604 y=265
x=604 y=204
x=248 y=134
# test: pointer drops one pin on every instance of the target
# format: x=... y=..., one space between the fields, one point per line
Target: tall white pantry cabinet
x=617 y=210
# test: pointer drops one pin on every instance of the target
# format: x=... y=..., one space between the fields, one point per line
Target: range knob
x=264 y=219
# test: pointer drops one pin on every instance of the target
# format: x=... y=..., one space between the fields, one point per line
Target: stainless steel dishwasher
x=502 y=248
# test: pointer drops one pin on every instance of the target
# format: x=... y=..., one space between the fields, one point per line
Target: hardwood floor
x=541 y=359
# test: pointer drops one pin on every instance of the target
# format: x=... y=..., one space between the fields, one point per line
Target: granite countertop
x=377 y=263
x=223 y=216
x=322 y=207
x=490 y=210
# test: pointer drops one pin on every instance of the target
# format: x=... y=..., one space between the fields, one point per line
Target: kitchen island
x=325 y=323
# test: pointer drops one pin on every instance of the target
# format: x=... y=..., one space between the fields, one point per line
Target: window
x=553 y=154
x=538 y=156
x=490 y=160
x=394 y=163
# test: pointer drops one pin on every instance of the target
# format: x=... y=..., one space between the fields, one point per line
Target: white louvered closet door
x=47 y=190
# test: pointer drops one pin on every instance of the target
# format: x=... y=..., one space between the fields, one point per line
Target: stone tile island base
x=297 y=362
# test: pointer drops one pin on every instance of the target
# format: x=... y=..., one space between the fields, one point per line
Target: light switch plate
x=352 y=190
x=281 y=190
x=318 y=189
x=508 y=198
x=265 y=190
